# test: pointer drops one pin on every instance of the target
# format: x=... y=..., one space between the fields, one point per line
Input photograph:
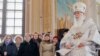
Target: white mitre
x=79 y=6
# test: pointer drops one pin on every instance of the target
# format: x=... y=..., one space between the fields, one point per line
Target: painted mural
x=64 y=13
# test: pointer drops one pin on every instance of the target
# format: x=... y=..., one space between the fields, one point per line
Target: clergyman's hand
x=68 y=46
x=80 y=45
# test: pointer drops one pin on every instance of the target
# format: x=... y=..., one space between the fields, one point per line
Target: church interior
x=21 y=17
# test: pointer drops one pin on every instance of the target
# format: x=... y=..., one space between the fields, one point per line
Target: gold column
x=47 y=20
x=91 y=8
x=32 y=17
x=54 y=19
x=41 y=16
x=35 y=16
x=27 y=18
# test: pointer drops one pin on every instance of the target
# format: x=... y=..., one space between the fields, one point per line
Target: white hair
x=18 y=36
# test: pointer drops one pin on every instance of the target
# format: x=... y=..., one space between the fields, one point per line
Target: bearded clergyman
x=83 y=35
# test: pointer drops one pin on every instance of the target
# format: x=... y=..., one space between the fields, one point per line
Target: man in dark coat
x=28 y=48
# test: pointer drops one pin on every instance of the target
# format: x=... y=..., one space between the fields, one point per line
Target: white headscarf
x=18 y=36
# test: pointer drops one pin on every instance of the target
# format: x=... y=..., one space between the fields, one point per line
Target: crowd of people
x=30 y=45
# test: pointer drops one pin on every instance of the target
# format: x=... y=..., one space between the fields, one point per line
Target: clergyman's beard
x=79 y=22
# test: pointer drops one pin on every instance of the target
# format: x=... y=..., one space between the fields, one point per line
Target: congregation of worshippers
x=31 y=44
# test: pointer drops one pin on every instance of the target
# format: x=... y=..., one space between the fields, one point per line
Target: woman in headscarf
x=8 y=48
x=18 y=40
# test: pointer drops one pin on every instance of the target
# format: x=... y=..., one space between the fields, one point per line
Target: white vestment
x=89 y=38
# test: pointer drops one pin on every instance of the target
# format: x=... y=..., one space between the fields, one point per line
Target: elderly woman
x=8 y=48
x=18 y=40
